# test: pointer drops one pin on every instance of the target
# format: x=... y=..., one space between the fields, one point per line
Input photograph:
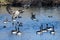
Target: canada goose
x=13 y=13
x=18 y=33
x=17 y=14
x=14 y=31
x=44 y=30
x=33 y=17
x=49 y=28
x=40 y=31
x=53 y=31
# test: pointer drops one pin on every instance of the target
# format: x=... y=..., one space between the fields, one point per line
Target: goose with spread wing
x=13 y=13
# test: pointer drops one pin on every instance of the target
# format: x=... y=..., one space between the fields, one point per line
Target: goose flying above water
x=13 y=13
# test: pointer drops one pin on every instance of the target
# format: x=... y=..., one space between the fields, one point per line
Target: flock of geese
x=16 y=14
x=40 y=32
x=47 y=29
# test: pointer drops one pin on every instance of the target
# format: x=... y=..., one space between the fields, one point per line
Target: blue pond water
x=30 y=27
